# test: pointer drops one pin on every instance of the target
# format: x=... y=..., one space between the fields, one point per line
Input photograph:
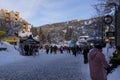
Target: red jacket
x=97 y=64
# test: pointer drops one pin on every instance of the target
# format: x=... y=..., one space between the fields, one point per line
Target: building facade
x=13 y=19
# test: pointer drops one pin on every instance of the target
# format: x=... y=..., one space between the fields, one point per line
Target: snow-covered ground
x=12 y=55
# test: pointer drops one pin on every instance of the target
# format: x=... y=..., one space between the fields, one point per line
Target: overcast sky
x=40 y=12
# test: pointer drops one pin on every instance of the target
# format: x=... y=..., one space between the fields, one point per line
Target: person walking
x=85 y=54
x=26 y=49
x=61 y=49
x=55 y=49
x=47 y=48
x=51 y=49
x=97 y=63
x=74 y=50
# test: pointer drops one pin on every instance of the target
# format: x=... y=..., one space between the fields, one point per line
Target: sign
x=110 y=34
x=108 y=19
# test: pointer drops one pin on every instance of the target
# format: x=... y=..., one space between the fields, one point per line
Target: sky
x=41 y=12
x=12 y=55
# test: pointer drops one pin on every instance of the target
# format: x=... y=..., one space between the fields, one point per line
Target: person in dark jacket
x=26 y=49
x=85 y=54
x=74 y=50
x=55 y=49
x=61 y=49
x=51 y=49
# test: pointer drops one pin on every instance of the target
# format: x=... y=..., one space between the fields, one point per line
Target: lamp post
x=117 y=25
x=116 y=21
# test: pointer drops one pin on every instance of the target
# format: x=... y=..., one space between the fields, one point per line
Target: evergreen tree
x=49 y=38
x=34 y=31
x=68 y=34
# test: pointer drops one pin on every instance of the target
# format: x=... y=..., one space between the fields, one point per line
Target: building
x=13 y=18
x=12 y=24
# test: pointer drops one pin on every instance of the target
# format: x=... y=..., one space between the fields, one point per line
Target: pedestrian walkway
x=45 y=67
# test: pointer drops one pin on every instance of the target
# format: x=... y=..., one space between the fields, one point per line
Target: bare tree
x=100 y=10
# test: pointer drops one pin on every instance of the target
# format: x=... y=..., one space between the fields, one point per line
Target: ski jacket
x=97 y=64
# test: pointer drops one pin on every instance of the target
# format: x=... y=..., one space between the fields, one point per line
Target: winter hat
x=99 y=44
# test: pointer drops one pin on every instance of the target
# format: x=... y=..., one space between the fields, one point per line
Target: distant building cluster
x=13 y=19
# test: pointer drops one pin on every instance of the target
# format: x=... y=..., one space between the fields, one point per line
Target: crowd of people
x=31 y=49
x=75 y=50
x=92 y=55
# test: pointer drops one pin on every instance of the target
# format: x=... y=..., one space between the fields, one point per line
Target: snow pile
x=10 y=55
x=115 y=75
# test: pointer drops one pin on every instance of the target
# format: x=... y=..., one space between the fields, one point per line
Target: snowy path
x=13 y=66
x=45 y=67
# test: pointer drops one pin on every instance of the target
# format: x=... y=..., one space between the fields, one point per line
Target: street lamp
x=116 y=17
x=117 y=8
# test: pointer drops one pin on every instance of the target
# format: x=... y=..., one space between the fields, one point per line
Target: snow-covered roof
x=24 y=33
